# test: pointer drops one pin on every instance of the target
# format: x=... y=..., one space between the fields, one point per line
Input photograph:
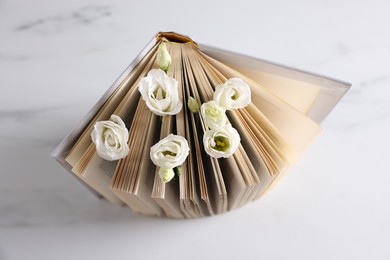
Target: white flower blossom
x=170 y=152
x=213 y=115
x=233 y=94
x=222 y=142
x=110 y=138
x=160 y=93
x=164 y=60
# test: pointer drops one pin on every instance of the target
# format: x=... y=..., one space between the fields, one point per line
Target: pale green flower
x=193 y=105
x=165 y=174
x=222 y=142
x=213 y=115
x=164 y=60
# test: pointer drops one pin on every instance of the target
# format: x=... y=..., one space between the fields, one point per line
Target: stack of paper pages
x=282 y=119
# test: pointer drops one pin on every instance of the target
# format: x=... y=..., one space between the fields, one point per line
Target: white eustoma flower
x=170 y=152
x=164 y=60
x=166 y=175
x=110 y=138
x=160 y=93
x=233 y=94
x=213 y=115
x=222 y=142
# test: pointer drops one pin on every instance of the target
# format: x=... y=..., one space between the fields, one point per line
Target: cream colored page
x=272 y=135
x=235 y=184
x=264 y=134
x=159 y=186
x=191 y=87
x=89 y=167
x=134 y=159
x=297 y=128
x=262 y=172
x=107 y=109
x=125 y=110
x=239 y=174
x=146 y=170
x=275 y=159
x=135 y=173
x=99 y=175
x=121 y=181
x=198 y=84
x=301 y=95
x=166 y=195
x=188 y=191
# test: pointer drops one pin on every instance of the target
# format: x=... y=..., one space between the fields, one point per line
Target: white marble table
x=58 y=57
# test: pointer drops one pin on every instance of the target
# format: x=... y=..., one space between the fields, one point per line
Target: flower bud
x=193 y=105
x=164 y=60
x=166 y=174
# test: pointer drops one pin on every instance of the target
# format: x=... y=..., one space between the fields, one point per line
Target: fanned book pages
x=189 y=130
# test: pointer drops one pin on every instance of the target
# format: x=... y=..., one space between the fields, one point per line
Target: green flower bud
x=193 y=105
x=166 y=174
x=164 y=60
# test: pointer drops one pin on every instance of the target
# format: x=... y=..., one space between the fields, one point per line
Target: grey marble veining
x=57 y=58
x=84 y=16
x=22 y=115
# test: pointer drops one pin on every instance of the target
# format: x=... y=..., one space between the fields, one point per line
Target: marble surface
x=58 y=57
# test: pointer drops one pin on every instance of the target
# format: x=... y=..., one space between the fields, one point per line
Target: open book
x=282 y=119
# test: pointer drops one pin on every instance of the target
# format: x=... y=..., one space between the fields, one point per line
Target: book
x=275 y=127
